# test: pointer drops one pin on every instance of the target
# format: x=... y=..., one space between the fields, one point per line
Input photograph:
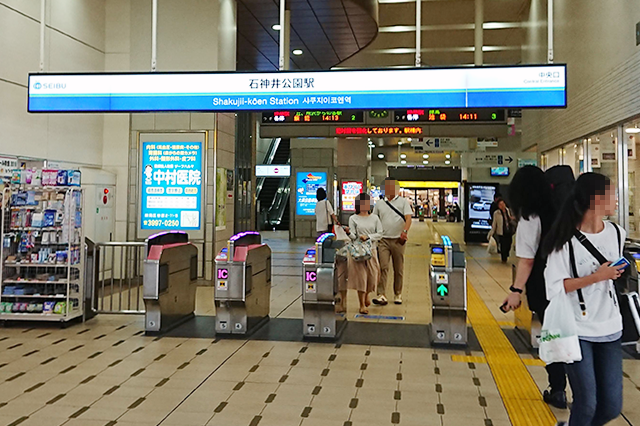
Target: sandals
x=364 y=311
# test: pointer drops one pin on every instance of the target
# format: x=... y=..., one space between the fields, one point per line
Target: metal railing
x=118 y=285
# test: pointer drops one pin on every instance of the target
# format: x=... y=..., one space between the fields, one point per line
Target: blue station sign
x=542 y=86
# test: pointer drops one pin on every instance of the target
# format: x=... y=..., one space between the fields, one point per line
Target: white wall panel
x=81 y=19
x=27 y=7
x=21 y=133
x=18 y=54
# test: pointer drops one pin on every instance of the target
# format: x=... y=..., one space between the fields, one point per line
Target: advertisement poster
x=221 y=198
x=171 y=185
x=307 y=183
x=350 y=190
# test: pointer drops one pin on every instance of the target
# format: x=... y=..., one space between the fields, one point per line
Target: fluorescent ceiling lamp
x=275 y=27
x=632 y=130
x=449 y=27
x=297 y=52
x=403 y=156
x=381 y=156
x=409 y=139
x=403 y=162
x=425 y=156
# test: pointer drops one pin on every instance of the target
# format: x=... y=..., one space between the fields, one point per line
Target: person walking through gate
x=503 y=226
x=581 y=247
x=325 y=216
x=395 y=214
x=531 y=198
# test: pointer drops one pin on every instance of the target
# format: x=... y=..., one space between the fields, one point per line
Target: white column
x=586 y=155
x=622 y=159
x=154 y=34
x=418 y=33
x=285 y=38
x=550 y=31
x=43 y=12
x=479 y=35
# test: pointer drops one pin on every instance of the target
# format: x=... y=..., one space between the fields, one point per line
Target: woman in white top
x=596 y=381
x=364 y=274
x=324 y=213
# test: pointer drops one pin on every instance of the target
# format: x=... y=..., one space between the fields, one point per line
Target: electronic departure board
x=450 y=115
x=313 y=116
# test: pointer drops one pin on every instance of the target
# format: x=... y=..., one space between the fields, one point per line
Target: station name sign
x=539 y=86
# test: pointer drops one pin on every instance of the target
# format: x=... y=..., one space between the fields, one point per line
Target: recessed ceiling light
x=448 y=156
x=403 y=156
x=409 y=139
x=425 y=161
x=632 y=130
x=400 y=143
x=297 y=52
x=447 y=162
x=381 y=156
x=425 y=156
x=403 y=162
x=276 y=27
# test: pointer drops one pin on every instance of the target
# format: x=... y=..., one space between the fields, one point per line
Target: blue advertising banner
x=307 y=183
x=539 y=86
x=171 y=185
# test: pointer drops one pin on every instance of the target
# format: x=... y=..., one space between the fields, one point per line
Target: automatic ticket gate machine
x=319 y=288
x=242 y=292
x=169 y=285
x=448 y=271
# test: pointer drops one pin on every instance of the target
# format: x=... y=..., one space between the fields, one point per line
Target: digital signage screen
x=500 y=171
x=534 y=86
x=312 y=116
x=480 y=199
x=350 y=190
x=171 y=185
x=307 y=184
x=450 y=115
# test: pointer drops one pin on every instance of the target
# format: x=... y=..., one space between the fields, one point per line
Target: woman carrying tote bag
x=363 y=274
x=579 y=231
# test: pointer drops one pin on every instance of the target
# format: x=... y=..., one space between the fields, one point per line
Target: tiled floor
x=106 y=372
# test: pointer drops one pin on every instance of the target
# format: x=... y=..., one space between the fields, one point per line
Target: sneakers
x=556 y=399
x=380 y=300
x=398 y=299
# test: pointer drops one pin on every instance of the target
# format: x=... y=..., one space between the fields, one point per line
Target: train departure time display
x=449 y=115
x=313 y=116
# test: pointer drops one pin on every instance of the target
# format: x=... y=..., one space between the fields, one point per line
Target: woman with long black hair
x=596 y=381
x=532 y=202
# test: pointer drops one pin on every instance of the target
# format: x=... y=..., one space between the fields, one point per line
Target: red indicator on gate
x=223 y=274
x=311 y=276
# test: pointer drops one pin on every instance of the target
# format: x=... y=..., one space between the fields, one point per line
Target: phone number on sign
x=166 y=223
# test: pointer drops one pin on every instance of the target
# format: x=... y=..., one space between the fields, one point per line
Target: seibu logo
x=39 y=86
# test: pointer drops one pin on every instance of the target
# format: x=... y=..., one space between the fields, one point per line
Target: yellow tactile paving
x=531 y=362
x=519 y=392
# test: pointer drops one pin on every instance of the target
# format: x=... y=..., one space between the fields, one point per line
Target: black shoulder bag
x=400 y=240
x=629 y=330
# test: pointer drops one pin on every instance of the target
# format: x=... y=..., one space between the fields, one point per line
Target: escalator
x=273 y=193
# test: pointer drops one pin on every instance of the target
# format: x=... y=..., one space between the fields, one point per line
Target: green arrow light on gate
x=442 y=290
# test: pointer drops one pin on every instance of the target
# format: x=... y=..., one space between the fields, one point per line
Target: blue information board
x=171 y=185
x=307 y=183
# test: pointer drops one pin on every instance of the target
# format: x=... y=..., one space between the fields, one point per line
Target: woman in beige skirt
x=363 y=275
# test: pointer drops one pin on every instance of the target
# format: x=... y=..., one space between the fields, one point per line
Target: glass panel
x=605 y=160
x=634 y=180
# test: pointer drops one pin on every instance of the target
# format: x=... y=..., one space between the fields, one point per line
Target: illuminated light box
x=350 y=190
x=307 y=184
x=268 y=170
x=378 y=131
x=536 y=86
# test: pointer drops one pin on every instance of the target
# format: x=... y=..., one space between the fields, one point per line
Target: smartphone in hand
x=503 y=308
x=621 y=262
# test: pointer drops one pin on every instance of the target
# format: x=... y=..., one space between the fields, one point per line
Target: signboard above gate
x=540 y=86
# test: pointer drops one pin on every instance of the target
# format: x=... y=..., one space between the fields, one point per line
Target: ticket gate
x=169 y=286
x=242 y=293
x=448 y=271
x=319 y=288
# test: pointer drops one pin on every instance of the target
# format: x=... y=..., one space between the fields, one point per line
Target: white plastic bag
x=559 y=335
x=341 y=235
x=493 y=246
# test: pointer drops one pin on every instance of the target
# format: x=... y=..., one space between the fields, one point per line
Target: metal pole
x=622 y=158
x=418 y=33
x=550 y=31
x=154 y=35
x=479 y=34
x=43 y=11
x=285 y=38
x=586 y=155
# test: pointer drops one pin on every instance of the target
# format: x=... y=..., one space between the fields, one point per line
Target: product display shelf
x=42 y=258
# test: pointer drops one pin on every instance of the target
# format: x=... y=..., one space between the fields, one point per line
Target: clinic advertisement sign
x=171 y=183
x=307 y=184
x=535 y=86
x=350 y=190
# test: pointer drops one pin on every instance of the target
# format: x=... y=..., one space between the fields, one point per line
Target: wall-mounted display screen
x=478 y=199
x=536 y=86
x=307 y=184
x=500 y=171
x=270 y=170
x=313 y=116
x=350 y=190
x=449 y=115
x=171 y=185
